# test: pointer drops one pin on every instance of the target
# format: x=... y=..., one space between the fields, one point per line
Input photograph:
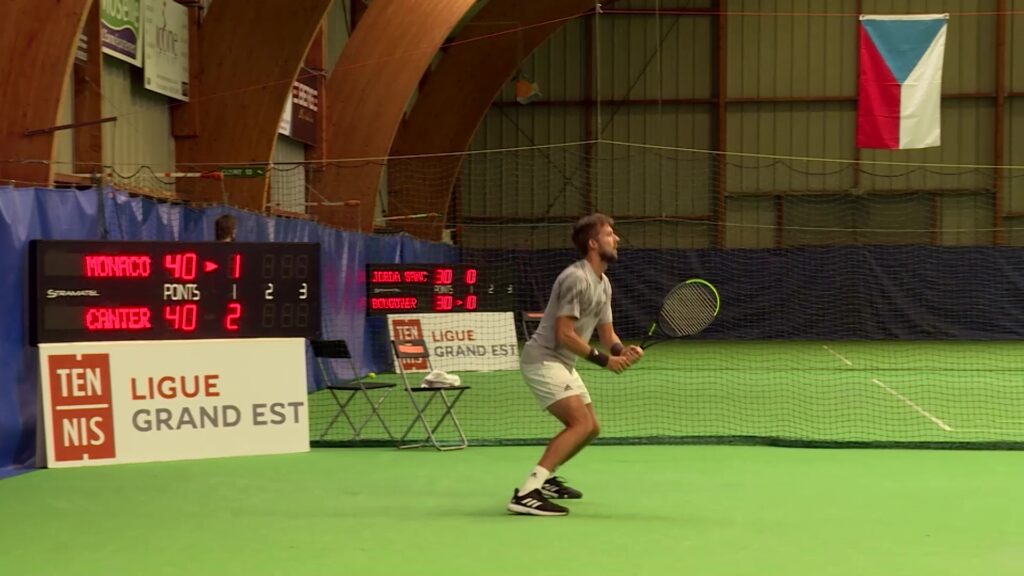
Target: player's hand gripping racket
x=689 y=308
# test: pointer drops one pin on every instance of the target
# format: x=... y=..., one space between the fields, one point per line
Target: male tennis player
x=581 y=299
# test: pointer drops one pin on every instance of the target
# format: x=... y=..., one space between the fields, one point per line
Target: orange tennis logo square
x=409 y=330
x=81 y=412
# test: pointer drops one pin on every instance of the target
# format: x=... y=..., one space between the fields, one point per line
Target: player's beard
x=608 y=256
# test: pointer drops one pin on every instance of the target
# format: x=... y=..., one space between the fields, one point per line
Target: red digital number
x=236 y=266
x=182 y=266
x=234 y=313
x=443 y=276
x=470 y=276
x=182 y=317
x=471 y=302
x=443 y=302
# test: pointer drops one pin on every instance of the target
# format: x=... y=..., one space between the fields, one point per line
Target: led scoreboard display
x=437 y=288
x=101 y=291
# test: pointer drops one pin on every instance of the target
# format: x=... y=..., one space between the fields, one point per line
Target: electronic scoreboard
x=83 y=291
x=437 y=289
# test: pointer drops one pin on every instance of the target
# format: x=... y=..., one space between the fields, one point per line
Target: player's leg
x=531 y=498
x=579 y=424
x=559 y=390
x=595 y=431
x=555 y=486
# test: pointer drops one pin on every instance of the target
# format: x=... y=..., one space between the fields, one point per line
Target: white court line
x=910 y=403
x=837 y=355
x=906 y=400
x=988 y=431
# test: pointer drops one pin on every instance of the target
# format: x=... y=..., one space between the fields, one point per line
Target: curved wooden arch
x=249 y=56
x=367 y=93
x=455 y=98
x=38 y=39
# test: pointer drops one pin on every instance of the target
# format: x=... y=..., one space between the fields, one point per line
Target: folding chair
x=344 y=391
x=529 y=320
x=416 y=349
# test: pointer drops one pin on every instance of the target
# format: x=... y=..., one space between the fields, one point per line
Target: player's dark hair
x=224 y=227
x=586 y=229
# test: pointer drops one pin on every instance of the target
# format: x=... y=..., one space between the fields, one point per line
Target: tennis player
x=580 y=301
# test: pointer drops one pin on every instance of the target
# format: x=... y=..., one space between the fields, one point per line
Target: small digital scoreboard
x=82 y=291
x=437 y=288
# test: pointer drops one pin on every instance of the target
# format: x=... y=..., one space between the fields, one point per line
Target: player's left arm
x=611 y=341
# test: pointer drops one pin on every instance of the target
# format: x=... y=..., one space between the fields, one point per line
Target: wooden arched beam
x=250 y=54
x=367 y=93
x=455 y=98
x=38 y=39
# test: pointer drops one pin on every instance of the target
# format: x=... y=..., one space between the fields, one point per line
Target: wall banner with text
x=146 y=401
x=166 y=55
x=461 y=341
x=121 y=30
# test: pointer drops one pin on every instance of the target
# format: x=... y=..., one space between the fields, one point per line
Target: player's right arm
x=565 y=330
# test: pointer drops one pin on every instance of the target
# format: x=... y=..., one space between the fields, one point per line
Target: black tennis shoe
x=555 y=487
x=535 y=504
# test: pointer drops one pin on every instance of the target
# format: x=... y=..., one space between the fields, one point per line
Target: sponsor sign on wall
x=302 y=109
x=469 y=341
x=165 y=25
x=118 y=402
x=121 y=30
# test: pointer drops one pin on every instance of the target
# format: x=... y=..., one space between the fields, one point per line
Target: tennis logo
x=409 y=330
x=81 y=412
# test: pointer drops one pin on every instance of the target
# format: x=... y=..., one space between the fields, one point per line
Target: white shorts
x=552 y=381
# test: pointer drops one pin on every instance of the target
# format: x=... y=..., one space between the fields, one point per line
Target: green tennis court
x=647 y=510
x=793 y=392
x=650 y=507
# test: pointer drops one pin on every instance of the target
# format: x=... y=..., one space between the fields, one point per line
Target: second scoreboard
x=437 y=288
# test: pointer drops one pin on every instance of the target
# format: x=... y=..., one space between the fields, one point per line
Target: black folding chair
x=416 y=349
x=345 y=390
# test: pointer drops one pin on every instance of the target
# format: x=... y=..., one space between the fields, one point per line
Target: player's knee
x=581 y=422
x=595 y=429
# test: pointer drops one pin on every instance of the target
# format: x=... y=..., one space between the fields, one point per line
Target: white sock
x=534 y=480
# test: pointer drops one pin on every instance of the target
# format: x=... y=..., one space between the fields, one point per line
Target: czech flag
x=900 y=81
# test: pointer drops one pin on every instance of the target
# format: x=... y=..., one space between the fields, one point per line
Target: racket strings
x=687 y=311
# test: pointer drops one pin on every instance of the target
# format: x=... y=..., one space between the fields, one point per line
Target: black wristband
x=598 y=357
x=617 y=349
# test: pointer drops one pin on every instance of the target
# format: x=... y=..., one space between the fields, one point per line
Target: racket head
x=690 y=307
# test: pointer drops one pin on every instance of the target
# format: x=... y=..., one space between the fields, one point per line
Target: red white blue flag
x=900 y=81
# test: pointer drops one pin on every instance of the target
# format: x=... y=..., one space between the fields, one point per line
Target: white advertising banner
x=461 y=341
x=146 y=401
x=166 y=55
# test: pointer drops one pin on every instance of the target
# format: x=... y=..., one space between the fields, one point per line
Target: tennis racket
x=690 y=307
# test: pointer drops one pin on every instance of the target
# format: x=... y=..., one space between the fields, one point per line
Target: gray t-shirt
x=578 y=292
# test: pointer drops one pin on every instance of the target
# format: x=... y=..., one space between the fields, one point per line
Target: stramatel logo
x=81 y=412
x=50 y=294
